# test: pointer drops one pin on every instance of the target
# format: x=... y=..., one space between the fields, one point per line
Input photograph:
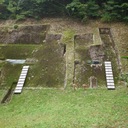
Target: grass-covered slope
x=45 y=108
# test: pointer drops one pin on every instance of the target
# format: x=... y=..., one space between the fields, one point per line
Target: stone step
x=108 y=67
x=19 y=88
x=111 y=87
x=110 y=81
x=110 y=84
x=109 y=75
x=26 y=67
x=108 y=70
x=22 y=77
x=20 y=85
x=24 y=72
x=109 y=78
x=21 y=80
x=16 y=91
x=107 y=62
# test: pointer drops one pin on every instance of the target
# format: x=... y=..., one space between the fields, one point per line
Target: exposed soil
x=23 y=34
x=97 y=52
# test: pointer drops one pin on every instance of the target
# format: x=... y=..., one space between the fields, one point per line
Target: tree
x=108 y=10
x=4 y=13
x=93 y=9
x=77 y=9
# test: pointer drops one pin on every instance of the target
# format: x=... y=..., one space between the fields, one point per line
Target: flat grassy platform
x=54 y=108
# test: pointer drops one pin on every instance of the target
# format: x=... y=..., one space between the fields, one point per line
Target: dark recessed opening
x=64 y=49
x=9 y=93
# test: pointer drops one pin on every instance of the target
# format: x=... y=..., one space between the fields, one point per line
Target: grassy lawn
x=51 y=108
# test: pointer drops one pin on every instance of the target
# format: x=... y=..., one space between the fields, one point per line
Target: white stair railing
x=21 y=80
x=109 y=75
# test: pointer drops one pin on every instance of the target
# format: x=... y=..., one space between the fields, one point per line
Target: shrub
x=93 y=9
x=124 y=77
x=106 y=17
x=16 y=26
x=77 y=9
x=20 y=17
x=125 y=19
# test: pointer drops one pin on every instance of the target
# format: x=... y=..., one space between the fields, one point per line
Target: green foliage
x=20 y=17
x=108 y=10
x=106 y=17
x=3 y=11
x=124 y=77
x=16 y=26
x=93 y=9
x=125 y=57
x=124 y=11
x=77 y=9
x=114 y=11
x=1 y=1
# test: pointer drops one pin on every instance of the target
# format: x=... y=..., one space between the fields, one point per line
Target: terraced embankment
x=59 y=59
x=110 y=50
x=42 y=51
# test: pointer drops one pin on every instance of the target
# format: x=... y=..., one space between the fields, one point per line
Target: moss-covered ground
x=83 y=70
x=110 y=54
x=11 y=72
x=17 y=51
x=49 y=71
x=48 y=68
x=68 y=39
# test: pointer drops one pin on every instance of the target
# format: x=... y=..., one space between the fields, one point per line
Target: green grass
x=50 y=108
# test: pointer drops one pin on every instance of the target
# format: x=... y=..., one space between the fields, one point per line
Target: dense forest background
x=106 y=10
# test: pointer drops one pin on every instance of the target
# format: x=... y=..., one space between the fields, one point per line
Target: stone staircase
x=21 y=80
x=109 y=75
